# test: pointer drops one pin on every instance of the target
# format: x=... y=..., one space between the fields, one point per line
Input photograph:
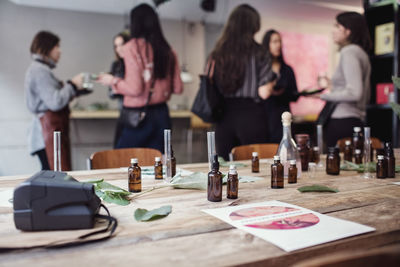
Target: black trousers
x=337 y=129
x=43 y=159
x=243 y=123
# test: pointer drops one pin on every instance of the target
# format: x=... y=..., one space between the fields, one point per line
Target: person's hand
x=77 y=81
x=105 y=79
x=265 y=91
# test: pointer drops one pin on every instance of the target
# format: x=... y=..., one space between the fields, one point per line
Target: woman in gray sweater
x=48 y=98
x=350 y=84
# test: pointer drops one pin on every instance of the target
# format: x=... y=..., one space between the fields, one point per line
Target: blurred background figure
x=48 y=98
x=244 y=77
x=150 y=62
x=285 y=90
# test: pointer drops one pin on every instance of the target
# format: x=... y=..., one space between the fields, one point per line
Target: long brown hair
x=235 y=46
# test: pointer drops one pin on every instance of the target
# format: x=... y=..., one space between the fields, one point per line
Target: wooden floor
x=189 y=237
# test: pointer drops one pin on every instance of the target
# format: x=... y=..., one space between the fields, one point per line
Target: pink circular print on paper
x=294 y=222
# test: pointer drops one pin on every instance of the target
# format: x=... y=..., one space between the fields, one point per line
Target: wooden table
x=190 y=237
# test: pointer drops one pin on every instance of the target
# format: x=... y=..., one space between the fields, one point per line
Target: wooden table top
x=188 y=236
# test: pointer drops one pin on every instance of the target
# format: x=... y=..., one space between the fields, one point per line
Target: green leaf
x=110 y=193
x=142 y=215
x=396 y=108
x=317 y=188
x=224 y=163
x=396 y=81
x=197 y=180
x=249 y=179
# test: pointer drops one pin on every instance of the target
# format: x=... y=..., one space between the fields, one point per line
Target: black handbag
x=326 y=113
x=208 y=102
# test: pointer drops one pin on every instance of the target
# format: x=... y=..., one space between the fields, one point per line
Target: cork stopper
x=134 y=160
x=286 y=118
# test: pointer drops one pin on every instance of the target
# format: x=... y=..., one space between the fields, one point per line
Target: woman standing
x=118 y=70
x=47 y=97
x=350 y=84
x=285 y=90
x=151 y=75
x=244 y=77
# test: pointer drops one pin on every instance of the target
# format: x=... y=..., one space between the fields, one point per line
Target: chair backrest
x=264 y=151
x=117 y=158
x=376 y=143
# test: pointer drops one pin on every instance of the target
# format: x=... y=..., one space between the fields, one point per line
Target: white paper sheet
x=287 y=226
x=5 y=196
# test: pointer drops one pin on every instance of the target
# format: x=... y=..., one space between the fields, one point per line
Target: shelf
x=384 y=56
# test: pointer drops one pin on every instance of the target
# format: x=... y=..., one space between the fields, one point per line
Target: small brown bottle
x=358 y=139
x=315 y=155
x=390 y=160
x=292 y=173
x=358 y=158
x=173 y=163
x=333 y=161
x=348 y=151
x=158 y=169
x=255 y=162
x=277 y=173
x=214 y=183
x=135 y=177
x=232 y=183
x=381 y=167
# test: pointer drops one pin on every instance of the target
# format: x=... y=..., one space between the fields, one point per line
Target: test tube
x=320 y=143
x=167 y=155
x=367 y=152
x=57 y=151
x=211 y=147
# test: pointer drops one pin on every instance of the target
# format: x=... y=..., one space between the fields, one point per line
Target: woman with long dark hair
x=151 y=75
x=285 y=90
x=350 y=84
x=243 y=76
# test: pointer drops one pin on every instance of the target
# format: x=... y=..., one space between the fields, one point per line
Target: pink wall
x=308 y=55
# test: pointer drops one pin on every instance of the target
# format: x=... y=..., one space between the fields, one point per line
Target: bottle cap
x=316 y=148
x=333 y=149
x=277 y=158
x=157 y=159
x=286 y=118
x=380 y=157
x=215 y=163
x=292 y=162
x=232 y=167
x=254 y=154
x=134 y=160
x=357 y=129
x=358 y=151
x=347 y=142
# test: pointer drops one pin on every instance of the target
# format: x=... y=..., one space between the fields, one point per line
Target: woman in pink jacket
x=152 y=74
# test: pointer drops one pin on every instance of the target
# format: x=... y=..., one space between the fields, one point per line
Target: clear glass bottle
x=255 y=162
x=287 y=148
x=135 y=177
x=277 y=174
x=232 y=183
x=214 y=182
x=158 y=169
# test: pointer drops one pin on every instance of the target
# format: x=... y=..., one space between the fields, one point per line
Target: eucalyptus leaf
x=110 y=193
x=197 y=180
x=142 y=215
x=249 y=179
x=317 y=188
x=224 y=163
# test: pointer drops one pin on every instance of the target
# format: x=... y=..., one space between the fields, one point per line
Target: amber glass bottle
x=255 y=162
x=277 y=173
x=304 y=150
x=390 y=160
x=358 y=157
x=292 y=173
x=135 y=177
x=315 y=155
x=358 y=139
x=173 y=163
x=348 y=151
x=158 y=169
x=333 y=161
x=214 y=183
x=232 y=187
x=381 y=167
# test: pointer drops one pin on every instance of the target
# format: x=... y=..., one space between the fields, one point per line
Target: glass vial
x=173 y=163
x=333 y=161
x=158 y=169
x=214 y=182
x=210 y=148
x=390 y=160
x=292 y=176
x=348 y=151
x=255 y=162
x=135 y=177
x=167 y=155
x=367 y=152
x=381 y=167
x=232 y=183
x=57 y=150
x=358 y=158
x=277 y=173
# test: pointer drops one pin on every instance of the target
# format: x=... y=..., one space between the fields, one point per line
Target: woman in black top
x=244 y=77
x=285 y=90
x=118 y=70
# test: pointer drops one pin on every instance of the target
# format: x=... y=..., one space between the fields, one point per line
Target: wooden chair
x=264 y=151
x=376 y=143
x=117 y=158
x=387 y=256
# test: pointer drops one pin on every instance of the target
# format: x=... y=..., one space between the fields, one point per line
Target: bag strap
x=81 y=240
